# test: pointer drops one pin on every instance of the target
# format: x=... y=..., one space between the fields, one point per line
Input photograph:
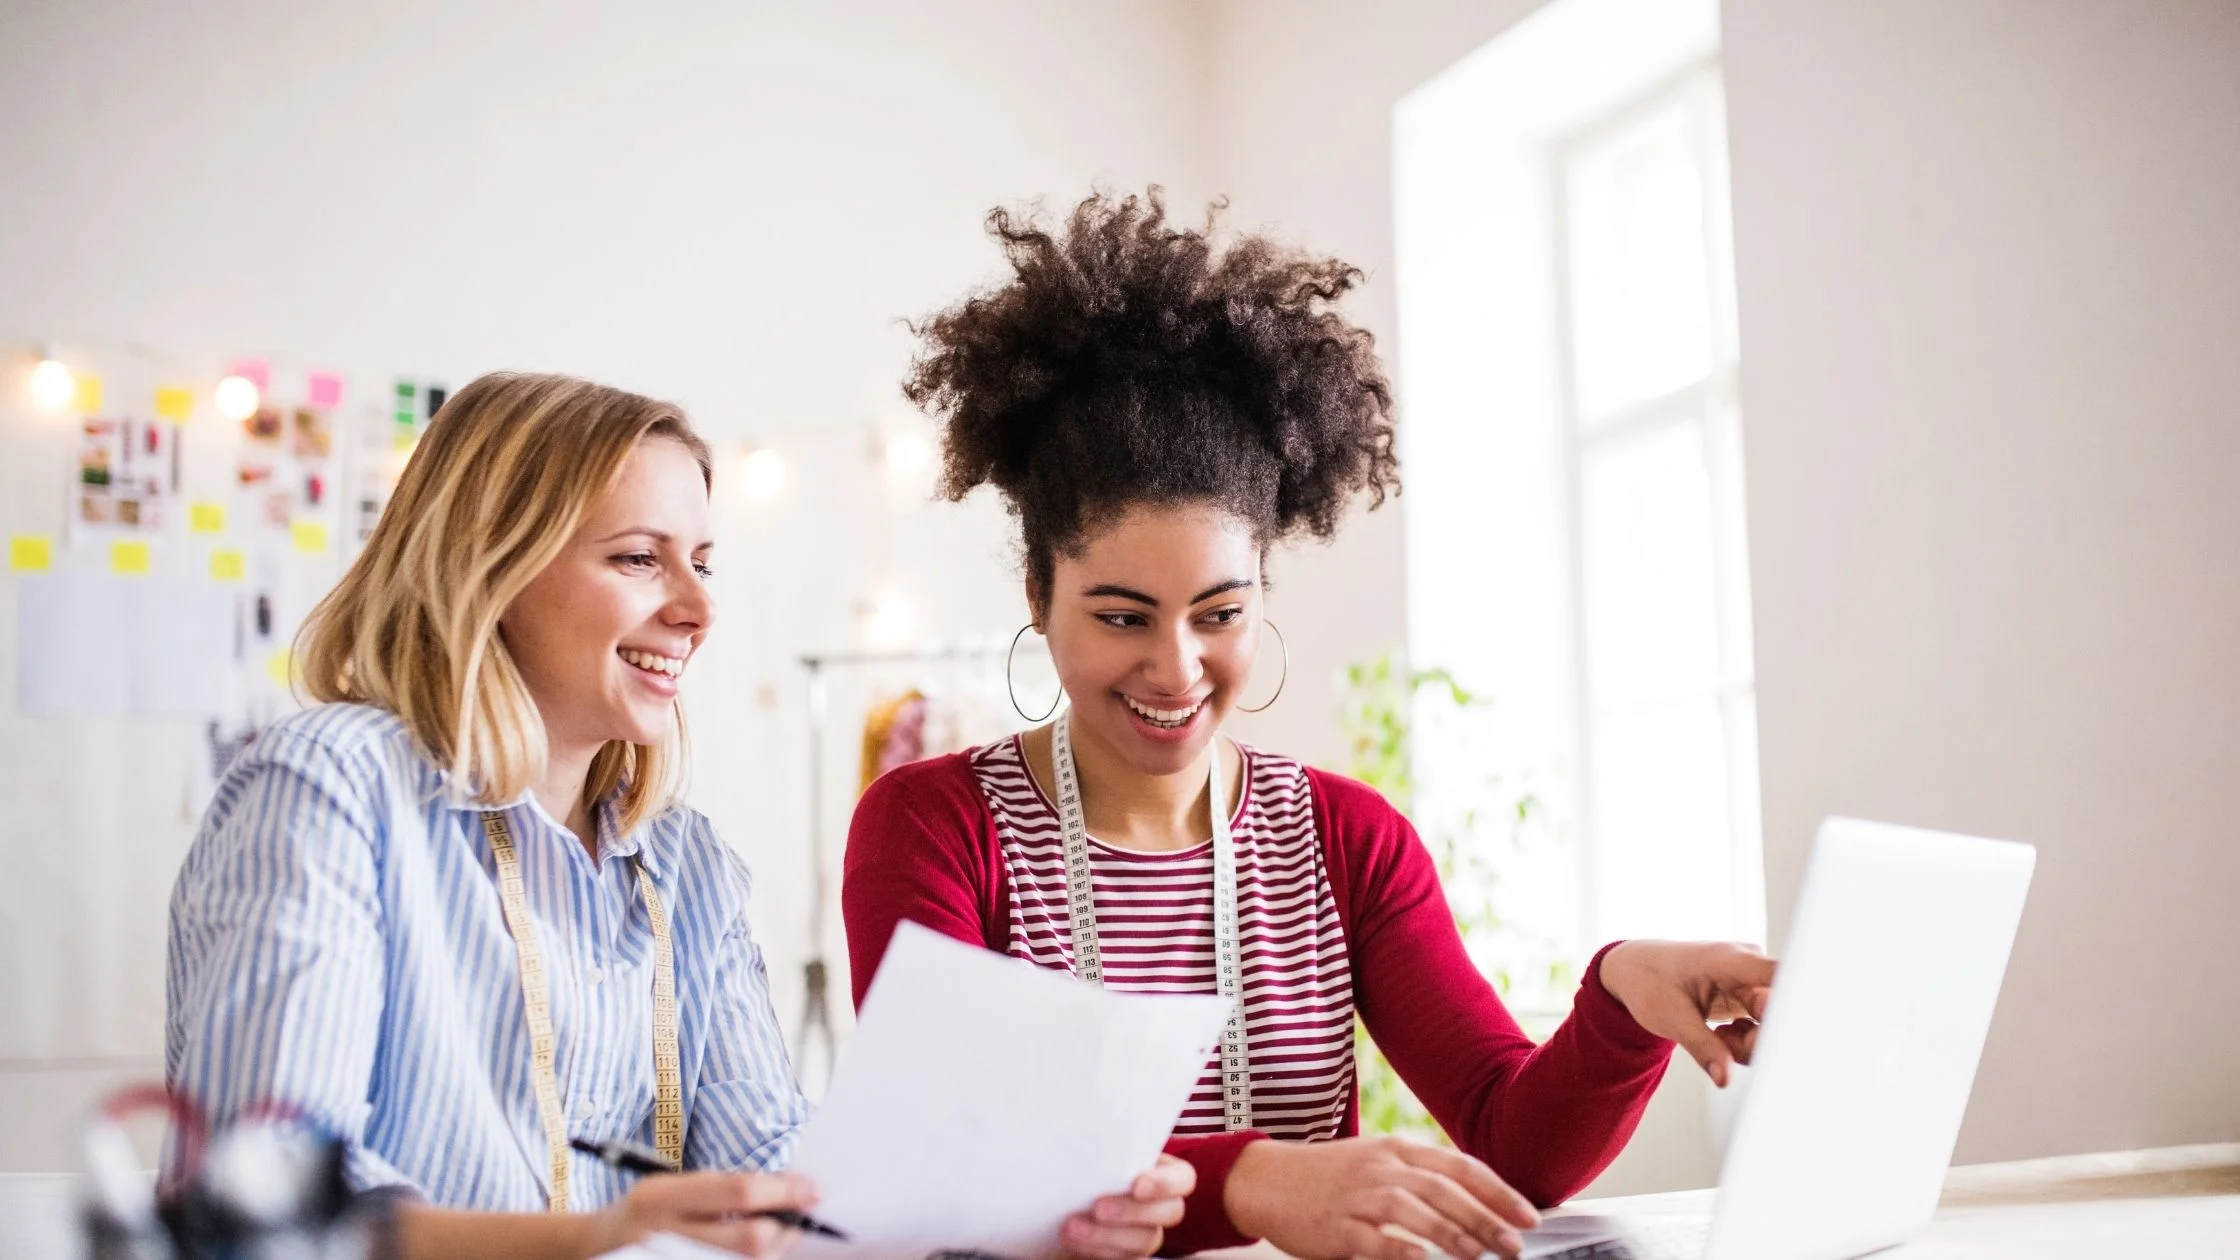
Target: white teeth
x=668 y=665
x=1164 y=717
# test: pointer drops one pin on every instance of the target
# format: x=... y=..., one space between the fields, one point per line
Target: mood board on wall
x=179 y=526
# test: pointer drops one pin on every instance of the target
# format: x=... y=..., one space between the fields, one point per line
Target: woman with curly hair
x=1158 y=412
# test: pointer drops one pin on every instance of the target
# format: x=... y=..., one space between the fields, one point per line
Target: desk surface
x=2176 y=1201
x=2180 y=1201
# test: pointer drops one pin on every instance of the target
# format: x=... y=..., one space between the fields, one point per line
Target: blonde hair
x=498 y=487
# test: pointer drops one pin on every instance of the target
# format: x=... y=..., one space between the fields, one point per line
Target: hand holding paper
x=982 y=1101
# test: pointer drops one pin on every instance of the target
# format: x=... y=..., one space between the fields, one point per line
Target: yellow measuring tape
x=536 y=994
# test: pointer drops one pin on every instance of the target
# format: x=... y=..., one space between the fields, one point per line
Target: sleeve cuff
x=1205 y=1216
x=1605 y=1016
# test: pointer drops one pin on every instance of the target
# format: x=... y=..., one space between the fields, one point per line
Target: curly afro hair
x=1128 y=361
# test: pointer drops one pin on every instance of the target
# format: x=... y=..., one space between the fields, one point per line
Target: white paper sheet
x=670 y=1247
x=90 y=644
x=73 y=645
x=982 y=1101
x=182 y=659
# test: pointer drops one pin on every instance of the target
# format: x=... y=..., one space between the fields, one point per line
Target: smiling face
x=603 y=633
x=1154 y=624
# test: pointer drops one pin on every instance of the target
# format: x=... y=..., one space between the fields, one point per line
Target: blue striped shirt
x=337 y=945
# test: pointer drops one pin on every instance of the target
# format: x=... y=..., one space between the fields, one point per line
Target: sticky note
x=30 y=553
x=229 y=565
x=326 y=390
x=255 y=371
x=175 y=404
x=310 y=536
x=207 y=518
x=89 y=393
x=280 y=667
x=128 y=555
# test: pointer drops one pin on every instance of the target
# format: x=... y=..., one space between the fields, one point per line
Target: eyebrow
x=647 y=531
x=1114 y=591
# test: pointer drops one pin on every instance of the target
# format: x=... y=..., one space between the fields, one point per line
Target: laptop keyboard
x=1645 y=1238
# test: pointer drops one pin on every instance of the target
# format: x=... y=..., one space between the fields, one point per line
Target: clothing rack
x=816 y=1012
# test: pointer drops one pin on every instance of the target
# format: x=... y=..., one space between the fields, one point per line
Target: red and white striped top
x=1155 y=922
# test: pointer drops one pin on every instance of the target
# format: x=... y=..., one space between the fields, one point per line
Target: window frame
x=1711 y=407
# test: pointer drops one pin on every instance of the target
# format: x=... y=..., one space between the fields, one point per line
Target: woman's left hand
x=1125 y=1226
x=1678 y=989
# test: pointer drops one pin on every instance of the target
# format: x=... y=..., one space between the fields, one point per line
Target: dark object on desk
x=632 y=1157
x=264 y=1187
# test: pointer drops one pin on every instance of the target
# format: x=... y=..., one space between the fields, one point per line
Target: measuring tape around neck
x=1228 y=963
x=536 y=995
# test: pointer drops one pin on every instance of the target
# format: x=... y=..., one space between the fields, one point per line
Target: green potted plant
x=1383 y=701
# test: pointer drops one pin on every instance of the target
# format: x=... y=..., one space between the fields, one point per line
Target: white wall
x=730 y=205
x=1989 y=286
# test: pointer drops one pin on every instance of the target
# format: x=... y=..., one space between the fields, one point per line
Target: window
x=1651 y=450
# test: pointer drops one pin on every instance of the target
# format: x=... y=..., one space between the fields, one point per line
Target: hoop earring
x=1281 y=679
x=1013 y=692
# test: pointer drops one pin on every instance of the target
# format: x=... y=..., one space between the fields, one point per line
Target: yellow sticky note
x=128 y=555
x=207 y=518
x=280 y=667
x=89 y=393
x=228 y=566
x=30 y=553
x=175 y=404
x=310 y=536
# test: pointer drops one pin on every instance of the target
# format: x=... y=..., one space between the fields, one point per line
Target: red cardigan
x=923 y=846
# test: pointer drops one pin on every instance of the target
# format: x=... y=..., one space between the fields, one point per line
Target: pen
x=632 y=1157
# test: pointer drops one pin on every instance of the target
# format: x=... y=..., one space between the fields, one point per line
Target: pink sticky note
x=255 y=371
x=326 y=390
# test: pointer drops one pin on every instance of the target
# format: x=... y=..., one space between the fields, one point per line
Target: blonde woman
x=455 y=914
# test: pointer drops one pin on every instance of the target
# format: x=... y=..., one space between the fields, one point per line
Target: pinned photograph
x=123 y=477
x=312 y=436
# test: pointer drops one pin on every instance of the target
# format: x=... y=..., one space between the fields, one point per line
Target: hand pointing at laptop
x=1680 y=989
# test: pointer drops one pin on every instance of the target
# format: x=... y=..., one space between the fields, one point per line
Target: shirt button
x=598 y=975
x=587 y=1111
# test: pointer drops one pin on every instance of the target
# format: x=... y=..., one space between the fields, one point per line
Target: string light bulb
x=889 y=622
x=237 y=398
x=909 y=455
x=762 y=474
x=53 y=385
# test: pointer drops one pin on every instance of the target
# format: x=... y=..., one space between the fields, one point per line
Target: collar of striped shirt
x=648 y=844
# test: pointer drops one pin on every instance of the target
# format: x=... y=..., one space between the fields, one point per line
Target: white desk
x=2179 y=1201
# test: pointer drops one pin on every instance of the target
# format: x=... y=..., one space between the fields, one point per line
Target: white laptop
x=1863 y=1067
